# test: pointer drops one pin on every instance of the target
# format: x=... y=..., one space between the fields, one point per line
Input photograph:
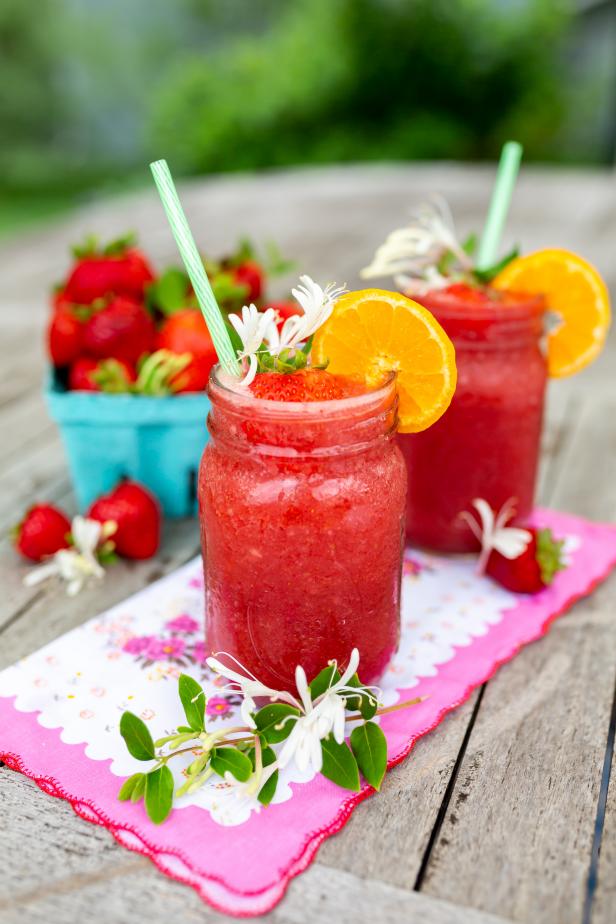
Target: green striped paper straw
x=508 y=167
x=194 y=267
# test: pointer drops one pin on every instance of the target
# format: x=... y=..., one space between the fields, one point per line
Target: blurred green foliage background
x=92 y=91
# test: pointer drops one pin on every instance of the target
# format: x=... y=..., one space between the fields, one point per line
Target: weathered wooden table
x=504 y=812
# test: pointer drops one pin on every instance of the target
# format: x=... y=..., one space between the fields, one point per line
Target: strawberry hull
x=157 y=441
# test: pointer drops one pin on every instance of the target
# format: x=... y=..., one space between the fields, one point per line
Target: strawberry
x=250 y=274
x=284 y=310
x=306 y=385
x=533 y=569
x=43 y=531
x=137 y=514
x=122 y=329
x=186 y=332
x=64 y=337
x=108 y=375
x=118 y=269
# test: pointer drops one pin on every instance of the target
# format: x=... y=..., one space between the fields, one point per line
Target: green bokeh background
x=94 y=90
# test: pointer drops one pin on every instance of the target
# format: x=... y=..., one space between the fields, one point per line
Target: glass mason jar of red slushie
x=487 y=442
x=302 y=522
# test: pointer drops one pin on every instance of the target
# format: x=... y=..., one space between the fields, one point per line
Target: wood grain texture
x=604 y=905
x=514 y=838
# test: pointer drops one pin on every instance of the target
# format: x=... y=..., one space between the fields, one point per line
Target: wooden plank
x=84 y=868
x=518 y=831
x=387 y=835
x=22 y=423
x=604 y=899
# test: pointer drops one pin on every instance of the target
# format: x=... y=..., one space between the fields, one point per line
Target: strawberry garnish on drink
x=119 y=268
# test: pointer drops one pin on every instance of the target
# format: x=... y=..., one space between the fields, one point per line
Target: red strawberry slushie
x=487 y=442
x=302 y=495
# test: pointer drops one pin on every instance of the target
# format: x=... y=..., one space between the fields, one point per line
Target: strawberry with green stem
x=119 y=268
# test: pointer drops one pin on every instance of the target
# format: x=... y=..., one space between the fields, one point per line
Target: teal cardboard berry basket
x=156 y=441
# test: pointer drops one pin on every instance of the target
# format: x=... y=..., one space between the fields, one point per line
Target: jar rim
x=528 y=308
x=224 y=387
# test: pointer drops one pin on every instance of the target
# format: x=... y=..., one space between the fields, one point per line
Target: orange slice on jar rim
x=373 y=332
x=575 y=294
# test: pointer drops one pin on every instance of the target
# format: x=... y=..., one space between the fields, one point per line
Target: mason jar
x=302 y=523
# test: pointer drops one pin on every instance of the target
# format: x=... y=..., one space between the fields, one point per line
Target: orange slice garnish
x=574 y=292
x=373 y=332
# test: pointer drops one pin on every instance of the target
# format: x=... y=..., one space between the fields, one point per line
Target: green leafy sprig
x=251 y=755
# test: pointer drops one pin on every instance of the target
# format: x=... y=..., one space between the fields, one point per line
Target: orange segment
x=577 y=295
x=373 y=332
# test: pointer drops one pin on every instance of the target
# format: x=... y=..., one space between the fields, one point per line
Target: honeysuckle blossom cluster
x=307 y=727
x=493 y=533
x=78 y=564
x=414 y=255
x=318 y=717
x=259 y=331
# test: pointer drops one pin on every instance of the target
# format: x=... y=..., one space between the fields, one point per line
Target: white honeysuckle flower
x=247 y=684
x=251 y=328
x=411 y=254
x=324 y=715
x=76 y=565
x=317 y=304
x=493 y=533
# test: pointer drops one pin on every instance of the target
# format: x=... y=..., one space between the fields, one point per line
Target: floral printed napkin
x=60 y=709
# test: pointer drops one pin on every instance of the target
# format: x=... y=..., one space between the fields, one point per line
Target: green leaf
x=469 y=244
x=549 y=554
x=137 y=738
x=339 y=764
x=365 y=701
x=270 y=717
x=159 y=794
x=488 y=274
x=171 y=290
x=184 y=728
x=129 y=786
x=139 y=788
x=325 y=679
x=276 y=263
x=369 y=746
x=230 y=760
x=193 y=701
x=267 y=791
x=117 y=247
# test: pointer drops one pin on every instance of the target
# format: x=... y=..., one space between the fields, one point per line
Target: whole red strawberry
x=64 y=337
x=43 y=531
x=249 y=273
x=108 y=375
x=118 y=269
x=533 y=569
x=137 y=514
x=185 y=331
x=122 y=329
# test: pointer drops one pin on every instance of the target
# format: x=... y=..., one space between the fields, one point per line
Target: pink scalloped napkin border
x=245 y=870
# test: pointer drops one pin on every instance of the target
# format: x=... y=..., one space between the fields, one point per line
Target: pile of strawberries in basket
x=118 y=327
